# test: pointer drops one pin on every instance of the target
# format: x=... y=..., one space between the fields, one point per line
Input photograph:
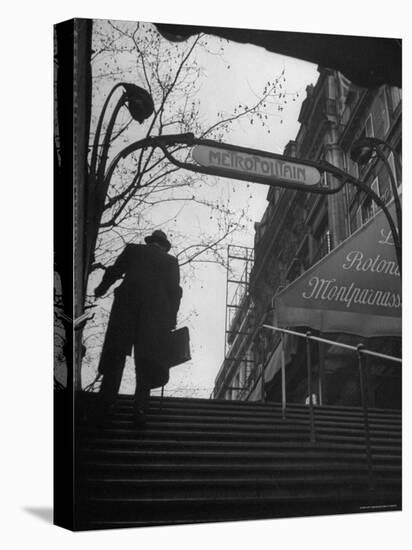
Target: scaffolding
x=239 y=320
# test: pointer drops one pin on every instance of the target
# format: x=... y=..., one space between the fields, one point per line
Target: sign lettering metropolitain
x=232 y=162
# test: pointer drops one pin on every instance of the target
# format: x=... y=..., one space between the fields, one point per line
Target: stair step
x=171 y=445
x=268 y=412
x=165 y=510
x=252 y=457
x=193 y=424
x=188 y=402
x=263 y=421
x=245 y=406
x=218 y=470
x=249 y=438
x=206 y=487
x=156 y=433
x=199 y=460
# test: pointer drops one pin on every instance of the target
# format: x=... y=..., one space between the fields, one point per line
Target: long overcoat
x=144 y=310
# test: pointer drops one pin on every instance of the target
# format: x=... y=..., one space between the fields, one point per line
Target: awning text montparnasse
x=355 y=289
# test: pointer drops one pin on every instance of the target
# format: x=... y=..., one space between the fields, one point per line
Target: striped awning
x=356 y=289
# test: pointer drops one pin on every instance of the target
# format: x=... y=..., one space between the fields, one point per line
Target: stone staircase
x=199 y=460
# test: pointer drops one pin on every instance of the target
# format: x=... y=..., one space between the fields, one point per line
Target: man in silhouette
x=144 y=312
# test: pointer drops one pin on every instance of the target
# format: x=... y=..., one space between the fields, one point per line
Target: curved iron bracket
x=254 y=178
x=163 y=142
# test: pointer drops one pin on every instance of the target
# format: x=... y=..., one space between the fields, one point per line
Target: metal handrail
x=361 y=353
x=334 y=343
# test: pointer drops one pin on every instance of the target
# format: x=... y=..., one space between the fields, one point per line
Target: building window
x=375 y=186
x=322 y=241
x=358 y=219
x=385 y=181
x=368 y=208
x=396 y=97
x=351 y=167
x=365 y=212
x=314 y=399
x=236 y=389
x=383 y=112
x=368 y=132
x=391 y=160
x=276 y=195
x=324 y=179
x=378 y=122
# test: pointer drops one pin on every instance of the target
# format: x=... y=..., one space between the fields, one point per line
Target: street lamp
x=362 y=152
x=140 y=105
x=139 y=102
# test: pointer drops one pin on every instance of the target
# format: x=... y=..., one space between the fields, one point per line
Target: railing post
x=309 y=370
x=262 y=383
x=365 y=406
x=321 y=356
x=283 y=374
x=262 y=368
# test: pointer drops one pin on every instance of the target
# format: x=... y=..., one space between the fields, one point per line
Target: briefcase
x=178 y=347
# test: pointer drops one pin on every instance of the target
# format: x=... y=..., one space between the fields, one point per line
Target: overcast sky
x=236 y=77
x=250 y=66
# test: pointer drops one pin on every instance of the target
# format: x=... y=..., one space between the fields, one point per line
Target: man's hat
x=159 y=237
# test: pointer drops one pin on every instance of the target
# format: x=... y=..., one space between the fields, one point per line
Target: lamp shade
x=361 y=151
x=139 y=102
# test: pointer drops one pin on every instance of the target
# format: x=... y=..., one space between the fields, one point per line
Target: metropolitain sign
x=231 y=163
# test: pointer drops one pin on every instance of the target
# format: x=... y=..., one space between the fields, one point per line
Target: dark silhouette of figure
x=144 y=312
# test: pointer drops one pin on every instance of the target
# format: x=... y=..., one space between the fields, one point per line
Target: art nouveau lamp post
x=140 y=105
x=362 y=151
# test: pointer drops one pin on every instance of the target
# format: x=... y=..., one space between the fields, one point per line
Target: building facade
x=296 y=231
